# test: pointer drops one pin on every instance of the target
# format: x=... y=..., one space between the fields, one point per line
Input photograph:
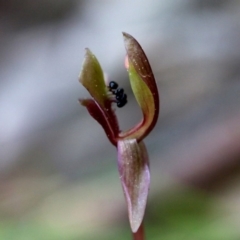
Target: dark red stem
x=139 y=235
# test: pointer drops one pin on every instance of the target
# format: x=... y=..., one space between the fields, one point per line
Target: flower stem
x=139 y=235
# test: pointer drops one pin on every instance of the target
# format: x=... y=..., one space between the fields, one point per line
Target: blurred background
x=58 y=171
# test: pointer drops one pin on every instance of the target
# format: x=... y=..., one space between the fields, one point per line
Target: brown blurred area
x=57 y=167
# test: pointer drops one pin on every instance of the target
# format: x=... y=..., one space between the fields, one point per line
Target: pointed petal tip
x=125 y=34
x=86 y=56
x=87 y=53
x=135 y=226
x=127 y=37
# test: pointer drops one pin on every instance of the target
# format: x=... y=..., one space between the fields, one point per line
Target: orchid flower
x=133 y=163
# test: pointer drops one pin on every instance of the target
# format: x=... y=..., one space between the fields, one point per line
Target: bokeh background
x=58 y=172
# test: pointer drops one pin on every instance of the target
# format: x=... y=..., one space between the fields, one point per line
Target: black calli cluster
x=121 y=97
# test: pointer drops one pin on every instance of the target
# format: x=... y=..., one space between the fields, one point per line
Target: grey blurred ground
x=57 y=167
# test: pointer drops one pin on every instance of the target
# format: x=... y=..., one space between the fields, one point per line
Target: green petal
x=144 y=88
x=134 y=173
x=92 y=78
x=99 y=107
